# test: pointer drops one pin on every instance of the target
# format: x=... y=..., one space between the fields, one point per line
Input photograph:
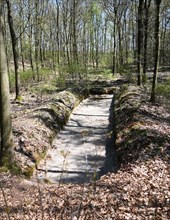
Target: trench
x=84 y=149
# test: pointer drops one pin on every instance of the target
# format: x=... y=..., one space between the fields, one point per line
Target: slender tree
x=57 y=31
x=74 y=31
x=30 y=36
x=146 y=25
x=14 y=48
x=164 y=34
x=140 y=41
x=156 y=49
x=21 y=40
x=37 y=39
x=5 y=115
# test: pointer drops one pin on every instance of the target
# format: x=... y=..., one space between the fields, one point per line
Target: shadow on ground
x=98 y=165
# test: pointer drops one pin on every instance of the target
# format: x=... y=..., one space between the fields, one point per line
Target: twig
x=6 y=204
x=40 y=199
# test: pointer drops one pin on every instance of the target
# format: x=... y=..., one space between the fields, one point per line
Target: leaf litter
x=139 y=190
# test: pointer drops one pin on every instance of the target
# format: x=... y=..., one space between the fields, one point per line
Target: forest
x=103 y=68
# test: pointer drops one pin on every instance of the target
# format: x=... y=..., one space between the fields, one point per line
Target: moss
x=15 y=169
x=51 y=137
x=47 y=181
x=128 y=98
x=39 y=157
x=19 y=99
x=61 y=112
x=3 y=169
x=7 y=162
x=12 y=167
x=28 y=171
x=126 y=95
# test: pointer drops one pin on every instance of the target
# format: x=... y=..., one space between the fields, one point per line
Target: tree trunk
x=147 y=6
x=163 y=40
x=74 y=32
x=84 y=50
x=37 y=39
x=30 y=52
x=22 y=36
x=30 y=39
x=57 y=34
x=5 y=115
x=157 y=47
x=133 y=23
x=105 y=36
x=14 y=48
x=140 y=42
x=120 y=46
x=96 y=37
x=114 y=69
x=126 y=38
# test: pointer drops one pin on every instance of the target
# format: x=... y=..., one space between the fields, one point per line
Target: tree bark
x=5 y=113
x=30 y=39
x=14 y=48
x=114 y=69
x=157 y=51
x=37 y=39
x=134 y=33
x=74 y=32
x=57 y=33
x=22 y=40
x=147 y=6
x=140 y=42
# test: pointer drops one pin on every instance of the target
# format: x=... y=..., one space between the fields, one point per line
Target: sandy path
x=79 y=149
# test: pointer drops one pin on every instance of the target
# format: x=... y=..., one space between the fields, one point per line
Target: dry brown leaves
x=139 y=190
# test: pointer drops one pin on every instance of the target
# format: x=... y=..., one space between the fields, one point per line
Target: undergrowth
x=163 y=92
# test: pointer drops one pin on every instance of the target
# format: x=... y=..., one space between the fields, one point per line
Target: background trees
x=76 y=36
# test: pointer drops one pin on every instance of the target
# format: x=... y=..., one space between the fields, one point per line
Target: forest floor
x=140 y=189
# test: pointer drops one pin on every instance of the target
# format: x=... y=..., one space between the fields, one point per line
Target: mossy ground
x=142 y=128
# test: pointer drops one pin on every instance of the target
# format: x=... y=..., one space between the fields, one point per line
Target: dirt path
x=79 y=149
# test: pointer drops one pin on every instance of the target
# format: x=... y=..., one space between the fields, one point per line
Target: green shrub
x=44 y=73
x=61 y=81
x=163 y=91
x=26 y=76
x=128 y=70
x=73 y=71
x=164 y=88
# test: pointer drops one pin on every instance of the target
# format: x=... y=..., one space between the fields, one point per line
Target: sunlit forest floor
x=138 y=190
